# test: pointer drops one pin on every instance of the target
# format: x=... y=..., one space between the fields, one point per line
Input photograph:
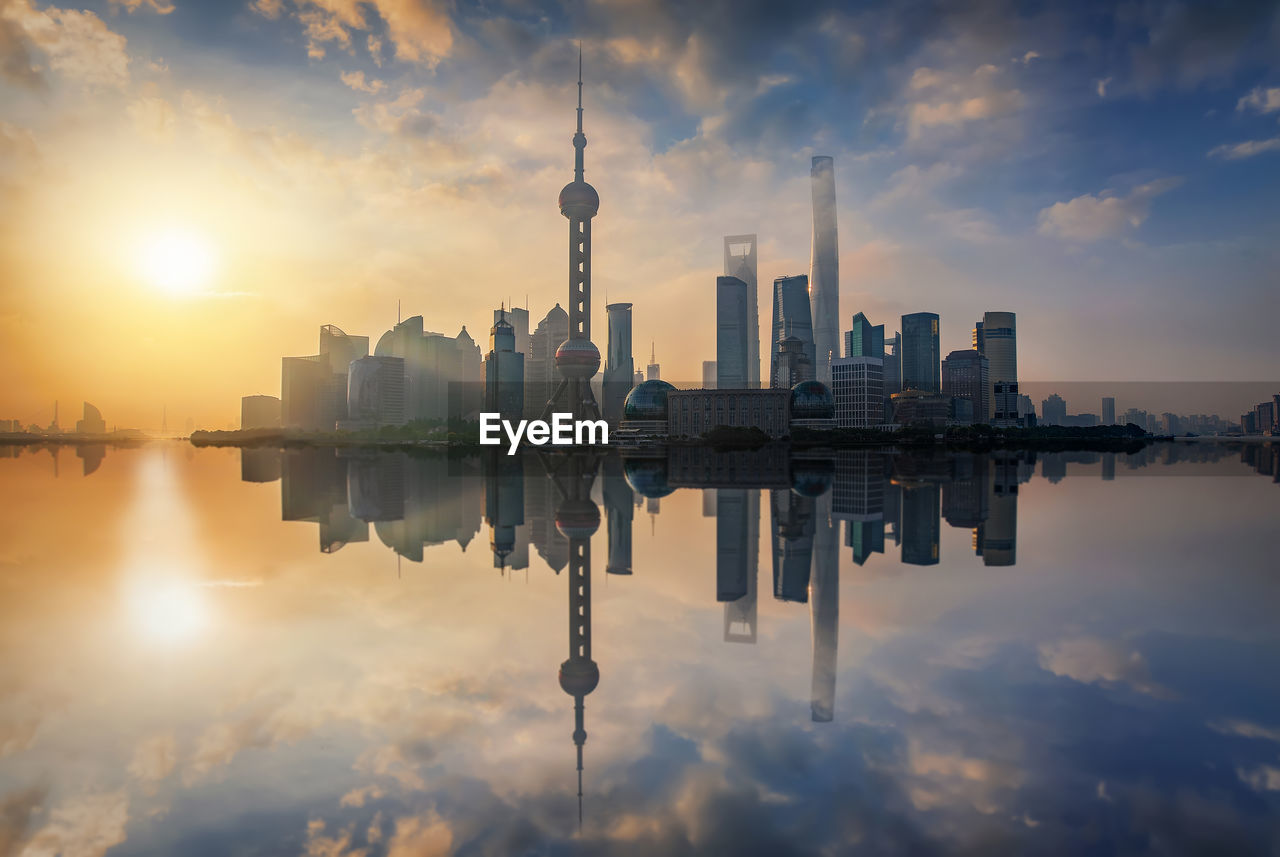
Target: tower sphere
x=578 y=678
x=578 y=358
x=579 y=201
x=578 y=519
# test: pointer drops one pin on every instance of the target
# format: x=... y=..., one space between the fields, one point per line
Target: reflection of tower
x=504 y=508
x=824 y=612
x=577 y=358
x=578 y=519
x=999 y=533
x=792 y=520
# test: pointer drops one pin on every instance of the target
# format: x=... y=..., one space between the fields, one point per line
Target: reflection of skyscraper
x=618 y=504
x=740 y=261
x=857 y=498
x=920 y=352
x=738 y=560
x=792 y=316
x=504 y=507
x=999 y=534
x=619 y=367
x=258 y=464
x=824 y=611
x=824 y=267
x=921 y=528
x=313 y=487
x=732 y=341
x=792 y=538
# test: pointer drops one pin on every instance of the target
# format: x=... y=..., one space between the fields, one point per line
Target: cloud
x=1261 y=100
x=88 y=826
x=419 y=30
x=154 y=758
x=1105 y=215
x=160 y=7
x=1101 y=87
x=77 y=45
x=17 y=810
x=1091 y=660
x=356 y=80
x=1247 y=149
x=952 y=100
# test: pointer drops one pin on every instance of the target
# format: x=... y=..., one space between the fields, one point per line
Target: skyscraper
x=1108 y=410
x=824 y=267
x=653 y=371
x=966 y=375
x=619 y=367
x=577 y=358
x=504 y=372
x=792 y=316
x=864 y=339
x=708 y=374
x=920 y=359
x=740 y=261
x=1053 y=410
x=540 y=367
x=996 y=336
x=518 y=318
x=375 y=393
x=732 y=319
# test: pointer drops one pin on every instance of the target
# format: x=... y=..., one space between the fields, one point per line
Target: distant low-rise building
x=259 y=412
x=693 y=413
x=912 y=407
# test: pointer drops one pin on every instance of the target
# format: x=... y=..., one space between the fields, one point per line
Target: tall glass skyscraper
x=792 y=316
x=732 y=320
x=740 y=262
x=619 y=367
x=921 y=357
x=864 y=339
x=824 y=267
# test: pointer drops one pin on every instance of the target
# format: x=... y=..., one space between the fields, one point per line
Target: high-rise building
x=92 y=422
x=792 y=363
x=653 y=371
x=313 y=389
x=824 y=267
x=504 y=372
x=920 y=356
x=740 y=261
x=732 y=320
x=619 y=367
x=577 y=358
x=518 y=318
x=996 y=336
x=965 y=376
x=892 y=373
x=857 y=384
x=708 y=374
x=1053 y=410
x=1006 y=405
x=258 y=412
x=443 y=374
x=540 y=368
x=1108 y=411
x=375 y=393
x=864 y=339
x=639 y=379
x=792 y=316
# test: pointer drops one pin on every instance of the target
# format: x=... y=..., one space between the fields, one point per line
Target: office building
x=259 y=412
x=518 y=318
x=1108 y=411
x=857 y=385
x=653 y=372
x=996 y=337
x=864 y=339
x=740 y=261
x=619 y=367
x=792 y=363
x=692 y=413
x=892 y=373
x=375 y=394
x=911 y=407
x=732 y=347
x=824 y=267
x=443 y=374
x=920 y=356
x=1053 y=411
x=504 y=372
x=708 y=374
x=540 y=377
x=792 y=316
x=1007 y=407
x=92 y=421
x=965 y=377
x=313 y=389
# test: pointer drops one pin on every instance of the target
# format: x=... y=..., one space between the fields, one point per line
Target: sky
x=189 y=190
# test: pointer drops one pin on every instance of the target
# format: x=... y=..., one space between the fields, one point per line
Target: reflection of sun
x=168 y=611
x=177 y=261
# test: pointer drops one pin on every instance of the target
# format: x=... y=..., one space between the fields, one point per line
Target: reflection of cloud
x=1091 y=660
x=88 y=826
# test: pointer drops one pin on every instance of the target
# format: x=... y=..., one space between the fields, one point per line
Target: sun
x=177 y=261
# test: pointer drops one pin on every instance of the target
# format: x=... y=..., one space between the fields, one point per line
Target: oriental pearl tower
x=577 y=358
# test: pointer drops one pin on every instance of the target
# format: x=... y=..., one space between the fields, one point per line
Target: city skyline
x=353 y=178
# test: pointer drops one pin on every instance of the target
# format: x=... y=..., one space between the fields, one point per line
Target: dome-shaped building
x=644 y=412
x=812 y=406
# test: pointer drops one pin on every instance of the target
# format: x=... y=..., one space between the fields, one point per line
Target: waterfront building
x=257 y=412
x=920 y=357
x=375 y=393
x=919 y=406
x=1108 y=411
x=619 y=367
x=732 y=329
x=864 y=339
x=996 y=337
x=740 y=261
x=792 y=317
x=824 y=267
x=965 y=377
x=504 y=372
x=857 y=385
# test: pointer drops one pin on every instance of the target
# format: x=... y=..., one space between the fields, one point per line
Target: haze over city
x=190 y=189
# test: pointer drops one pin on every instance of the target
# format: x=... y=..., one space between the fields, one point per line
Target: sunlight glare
x=177 y=261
